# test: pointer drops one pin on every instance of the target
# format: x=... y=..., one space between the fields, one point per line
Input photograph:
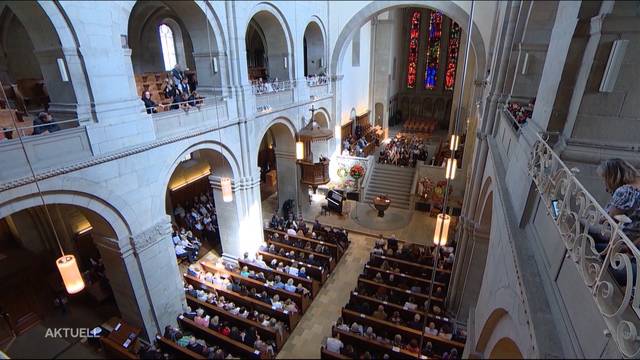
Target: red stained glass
x=452 y=55
x=414 y=37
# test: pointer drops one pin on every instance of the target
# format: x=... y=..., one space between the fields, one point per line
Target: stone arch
x=82 y=193
x=279 y=43
x=505 y=348
x=200 y=34
x=480 y=204
x=314 y=41
x=231 y=166
x=53 y=37
x=283 y=133
x=322 y=118
x=450 y=9
x=492 y=343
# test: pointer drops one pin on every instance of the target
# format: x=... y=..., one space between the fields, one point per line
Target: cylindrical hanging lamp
x=227 y=192
x=442 y=229
x=452 y=165
x=453 y=144
x=68 y=268
x=299 y=150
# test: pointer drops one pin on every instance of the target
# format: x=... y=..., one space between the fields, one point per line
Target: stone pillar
x=144 y=276
x=209 y=82
x=239 y=221
x=69 y=99
x=472 y=270
x=286 y=167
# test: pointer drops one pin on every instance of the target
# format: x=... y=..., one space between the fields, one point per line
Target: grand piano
x=335 y=199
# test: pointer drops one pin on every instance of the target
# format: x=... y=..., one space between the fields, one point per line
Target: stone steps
x=393 y=181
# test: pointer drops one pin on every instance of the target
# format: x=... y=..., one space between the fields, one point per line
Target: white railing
x=608 y=272
x=317 y=80
x=260 y=88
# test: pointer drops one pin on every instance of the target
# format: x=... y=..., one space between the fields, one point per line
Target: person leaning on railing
x=149 y=104
x=44 y=123
x=622 y=180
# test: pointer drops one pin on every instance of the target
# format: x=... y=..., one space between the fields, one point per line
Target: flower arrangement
x=357 y=171
x=342 y=172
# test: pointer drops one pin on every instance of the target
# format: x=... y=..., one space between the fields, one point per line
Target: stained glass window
x=452 y=56
x=414 y=38
x=433 y=49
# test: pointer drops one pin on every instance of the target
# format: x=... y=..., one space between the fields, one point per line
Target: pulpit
x=313 y=173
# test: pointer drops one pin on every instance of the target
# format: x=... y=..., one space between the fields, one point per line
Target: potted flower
x=357 y=171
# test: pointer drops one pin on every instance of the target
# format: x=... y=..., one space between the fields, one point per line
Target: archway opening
x=166 y=34
x=278 y=169
x=33 y=70
x=268 y=53
x=505 y=348
x=194 y=203
x=313 y=50
x=36 y=299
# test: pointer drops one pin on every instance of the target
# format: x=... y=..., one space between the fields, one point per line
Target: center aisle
x=316 y=323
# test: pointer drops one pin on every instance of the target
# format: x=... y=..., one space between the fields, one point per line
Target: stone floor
x=316 y=323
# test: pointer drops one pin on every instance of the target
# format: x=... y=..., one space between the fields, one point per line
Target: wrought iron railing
x=606 y=258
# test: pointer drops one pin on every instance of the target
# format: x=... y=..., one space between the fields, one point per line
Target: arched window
x=168 y=47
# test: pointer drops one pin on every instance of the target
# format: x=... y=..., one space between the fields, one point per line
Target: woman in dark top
x=622 y=180
x=149 y=104
x=169 y=89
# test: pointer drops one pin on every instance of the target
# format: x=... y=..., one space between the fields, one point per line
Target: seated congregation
x=249 y=307
x=404 y=151
x=169 y=91
x=392 y=304
x=199 y=224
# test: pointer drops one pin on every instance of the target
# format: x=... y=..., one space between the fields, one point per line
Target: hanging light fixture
x=67 y=265
x=68 y=268
x=442 y=229
x=453 y=144
x=227 y=192
x=299 y=150
x=452 y=165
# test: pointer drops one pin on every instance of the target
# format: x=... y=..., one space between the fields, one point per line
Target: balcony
x=272 y=95
x=607 y=273
x=318 y=86
x=207 y=112
x=45 y=151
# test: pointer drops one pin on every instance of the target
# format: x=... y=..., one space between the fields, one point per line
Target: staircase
x=393 y=181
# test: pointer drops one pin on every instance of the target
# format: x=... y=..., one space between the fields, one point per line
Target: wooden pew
x=115 y=350
x=178 y=352
x=290 y=319
x=371 y=271
x=330 y=355
x=212 y=310
x=327 y=261
x=420 y=297
x=406 y=267
x=334 y=249
x=228 y=344
x=440 y=344
x=301 y=301
x=361 y=342
x=406 y=313
x=315 y=272
x=309 y=284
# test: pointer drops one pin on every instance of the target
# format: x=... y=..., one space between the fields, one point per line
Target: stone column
x=286 y=170
x=209 y=82
x=472 y=270
x=239 y=221
x=69 y=99
x=144 y=276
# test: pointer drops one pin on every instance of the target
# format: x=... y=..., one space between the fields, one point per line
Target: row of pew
x=235 y=273
x=385 y=314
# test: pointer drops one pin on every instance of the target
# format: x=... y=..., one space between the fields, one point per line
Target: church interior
x=319 y=179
